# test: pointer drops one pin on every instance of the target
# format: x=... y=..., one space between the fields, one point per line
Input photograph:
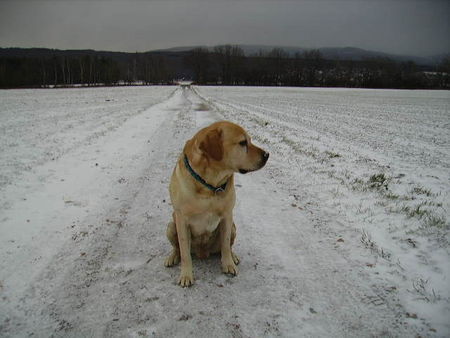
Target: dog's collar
x=201 y=180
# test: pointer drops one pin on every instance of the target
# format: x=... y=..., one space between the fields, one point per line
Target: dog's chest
x=203 y=223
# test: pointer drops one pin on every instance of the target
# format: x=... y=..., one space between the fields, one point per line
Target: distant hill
x=331 y=53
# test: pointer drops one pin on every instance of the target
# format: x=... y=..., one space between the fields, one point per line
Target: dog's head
x=227 y=145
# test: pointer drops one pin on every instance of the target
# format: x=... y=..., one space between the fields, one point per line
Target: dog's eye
x=243 y=143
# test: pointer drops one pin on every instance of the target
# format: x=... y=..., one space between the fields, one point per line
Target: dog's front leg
x=228 y=265
x=184 y=241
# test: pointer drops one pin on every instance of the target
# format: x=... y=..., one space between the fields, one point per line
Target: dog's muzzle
x=262 y=163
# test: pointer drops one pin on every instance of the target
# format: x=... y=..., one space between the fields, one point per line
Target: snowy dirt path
x=94 y=266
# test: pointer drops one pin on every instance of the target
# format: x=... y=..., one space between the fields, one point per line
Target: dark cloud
x=419 y=27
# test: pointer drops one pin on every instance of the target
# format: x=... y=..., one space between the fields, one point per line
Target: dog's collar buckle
x=219 y=190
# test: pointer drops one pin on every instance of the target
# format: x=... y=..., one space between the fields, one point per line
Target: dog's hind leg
x=174 y=257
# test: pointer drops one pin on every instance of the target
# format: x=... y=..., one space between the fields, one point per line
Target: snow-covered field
x=345 y=232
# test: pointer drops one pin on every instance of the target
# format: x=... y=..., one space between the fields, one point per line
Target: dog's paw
x=186 y=279
x=229 y=268
x=236 y=259
x=172 y=260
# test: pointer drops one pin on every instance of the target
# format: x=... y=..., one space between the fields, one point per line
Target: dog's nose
x=265 y=156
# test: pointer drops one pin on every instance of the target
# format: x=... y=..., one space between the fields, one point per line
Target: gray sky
x=415 y=27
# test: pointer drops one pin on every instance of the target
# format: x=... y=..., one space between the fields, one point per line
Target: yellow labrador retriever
x=203 y=196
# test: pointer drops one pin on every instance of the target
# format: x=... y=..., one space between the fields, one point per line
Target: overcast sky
x=415 y=27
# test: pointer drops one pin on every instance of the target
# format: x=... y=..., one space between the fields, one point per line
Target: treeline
x=222 y=65
x=227 y=65
x=89 y=70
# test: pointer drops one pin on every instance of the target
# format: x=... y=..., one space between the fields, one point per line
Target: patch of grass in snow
x=436 y=226
x=426 y=209
x=436 y=221
x=416 y=211
x=420 y=287
x=331 y=154
x=378 y=181
x=298 y=148
x=419 y=190
x=358 y=185
x=366 y=239
x=391 y=196
x=310 y=151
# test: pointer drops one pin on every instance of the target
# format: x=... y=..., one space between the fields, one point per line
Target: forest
x=221 y=65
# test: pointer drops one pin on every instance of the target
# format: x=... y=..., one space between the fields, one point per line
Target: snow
x=84 y=205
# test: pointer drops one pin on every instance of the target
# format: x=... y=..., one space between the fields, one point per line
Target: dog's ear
x=212 y=144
